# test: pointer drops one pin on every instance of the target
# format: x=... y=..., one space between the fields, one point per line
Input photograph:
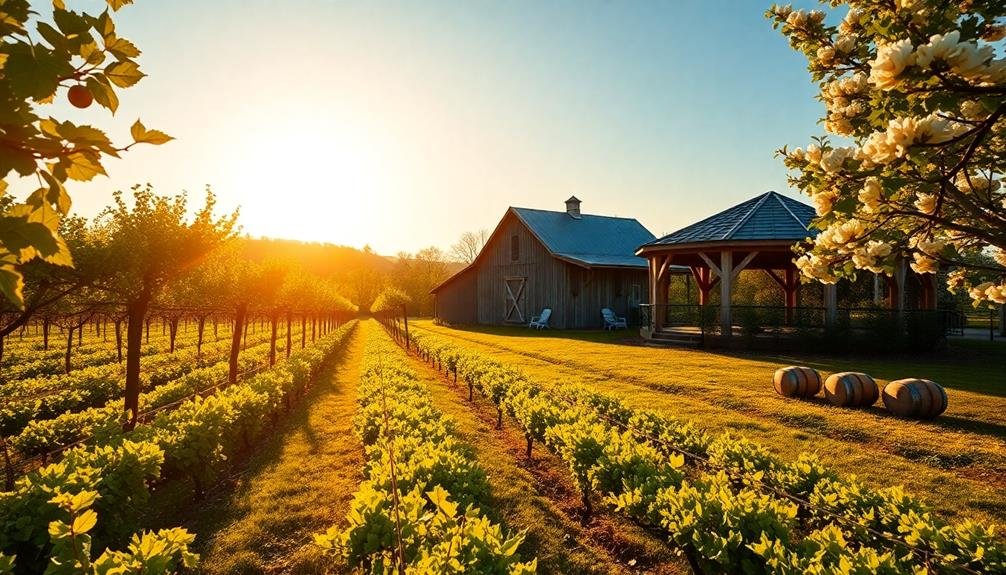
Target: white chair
x=612 y=321
x=541 y=321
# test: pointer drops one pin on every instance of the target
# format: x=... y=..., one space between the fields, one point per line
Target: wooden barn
x=570 y=262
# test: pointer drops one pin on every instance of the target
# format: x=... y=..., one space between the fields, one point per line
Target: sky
x=404 y=124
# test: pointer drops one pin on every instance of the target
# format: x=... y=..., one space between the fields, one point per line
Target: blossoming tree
x=911 y=165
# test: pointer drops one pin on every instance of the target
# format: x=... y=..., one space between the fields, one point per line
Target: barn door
x=514 y=299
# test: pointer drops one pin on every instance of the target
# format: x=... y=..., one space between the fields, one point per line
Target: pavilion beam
x=778 y=280
x=734 y=272
x=726 y=283
x=706 y=285
x=664 y=267
x=711 y=264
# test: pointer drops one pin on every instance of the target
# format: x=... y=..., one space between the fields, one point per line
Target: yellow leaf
x=142 y=135
x=83 y=166
x=124 y=73
x=116 y=4
x=85 y=521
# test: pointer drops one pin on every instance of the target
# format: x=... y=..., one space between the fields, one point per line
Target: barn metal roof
x=590 y=240
x=770 y=216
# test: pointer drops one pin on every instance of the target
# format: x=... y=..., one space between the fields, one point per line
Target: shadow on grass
x=220 y=506
x=968 y=365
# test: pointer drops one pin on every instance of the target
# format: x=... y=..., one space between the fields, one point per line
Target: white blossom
x=926 y=203
x=999 y=255
x=871 y=195
x=823 y=202
x=890 y=62
x=832 y=160
x=924 y=264
x=868 y=257
x=845 y=43
x=851 y=21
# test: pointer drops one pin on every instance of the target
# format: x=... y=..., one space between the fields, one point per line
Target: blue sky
x=404 y=124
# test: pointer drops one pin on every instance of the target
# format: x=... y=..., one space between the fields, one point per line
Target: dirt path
x=300 y=482
x=538 y=496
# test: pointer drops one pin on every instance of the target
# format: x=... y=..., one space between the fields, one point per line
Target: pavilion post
x=792 y=284
x=830 y=304
x=655 y=299
x=663 y=288
x=929 y=300
x=702 y=277
x=726 y=283
x=896 y=286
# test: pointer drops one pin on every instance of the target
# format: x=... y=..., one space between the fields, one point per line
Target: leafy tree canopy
x=82 y=54
x=912 y=162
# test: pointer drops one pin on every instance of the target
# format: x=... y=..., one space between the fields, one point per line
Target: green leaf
x=103 y=92
x=86 y=137
x=142 y=135
x=27 y=232
x=19 y=161
x=105 y=26
x=440 y=497
x=91 y=54
x=82 y=500
x=6 y=563
x=70 y=23
x=124 y=73
x=35 y=72
x=57 y=194
x=54 y=37
x=12 y=284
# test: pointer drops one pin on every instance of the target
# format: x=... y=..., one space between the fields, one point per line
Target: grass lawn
x=299 y=481
x=956 y=462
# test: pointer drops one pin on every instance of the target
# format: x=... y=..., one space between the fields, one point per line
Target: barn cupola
x=573 y=207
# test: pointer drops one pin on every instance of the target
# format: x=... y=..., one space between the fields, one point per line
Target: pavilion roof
x=768 y=217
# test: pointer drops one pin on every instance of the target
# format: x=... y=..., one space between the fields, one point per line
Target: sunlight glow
x=298 y=176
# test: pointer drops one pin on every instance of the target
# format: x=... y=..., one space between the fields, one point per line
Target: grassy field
x=957 y=462
x=298 y=482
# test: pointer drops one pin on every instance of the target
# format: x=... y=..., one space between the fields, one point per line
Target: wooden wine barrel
x=797 y=381
x=916 y=398
x=851 y=389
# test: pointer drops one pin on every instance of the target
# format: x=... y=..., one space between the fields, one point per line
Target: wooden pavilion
x=757 y=234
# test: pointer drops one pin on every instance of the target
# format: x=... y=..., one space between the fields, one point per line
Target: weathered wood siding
x=575 y=294
x=455 y=302
x=591 y=290
x=545 y=276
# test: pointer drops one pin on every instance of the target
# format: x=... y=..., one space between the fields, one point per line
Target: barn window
x=514 y=248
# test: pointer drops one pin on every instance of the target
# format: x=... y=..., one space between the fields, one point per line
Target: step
x=673 y=342
x=663 y=335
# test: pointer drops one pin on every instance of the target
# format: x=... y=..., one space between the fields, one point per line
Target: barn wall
x=576 y=295
x=455 y=302
x=546 y=278
x=591 y=290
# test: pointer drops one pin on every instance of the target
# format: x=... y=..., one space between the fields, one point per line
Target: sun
x=309 y=179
